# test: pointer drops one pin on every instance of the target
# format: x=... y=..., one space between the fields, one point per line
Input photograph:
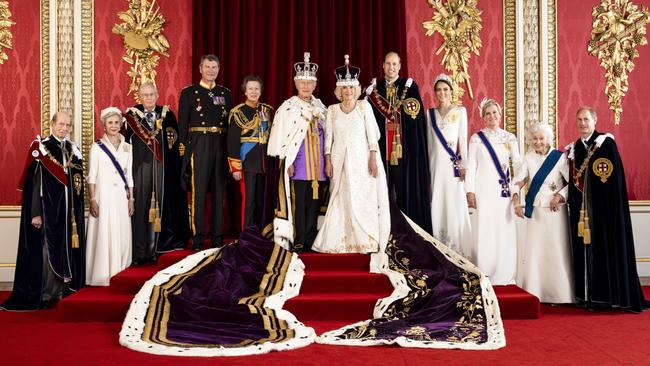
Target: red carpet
x=332 y=281
x=561 y=336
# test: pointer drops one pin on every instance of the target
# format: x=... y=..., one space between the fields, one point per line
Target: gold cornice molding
x=45 y=67
x=510 y=66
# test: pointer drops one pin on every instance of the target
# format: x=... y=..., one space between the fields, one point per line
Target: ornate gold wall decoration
x=510 y=78
x=459 y=24
x=618 y=27
x=141 y=31
x=45 y=67
x=6 y=38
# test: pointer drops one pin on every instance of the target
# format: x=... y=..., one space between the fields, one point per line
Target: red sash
x=47 y=161
x=392 y=119
x=152 y=143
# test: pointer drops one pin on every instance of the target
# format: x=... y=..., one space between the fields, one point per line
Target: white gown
x=545 y=268
x=494 y=248
x=358 y=218
x=108 y=238
x=449 y=212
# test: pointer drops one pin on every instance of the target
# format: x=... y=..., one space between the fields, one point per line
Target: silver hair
x=589 y=109
x=357 y=92
x=150 y=84
x=540 y=128
x=106 y=113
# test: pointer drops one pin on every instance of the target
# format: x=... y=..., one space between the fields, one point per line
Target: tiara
x=445 y=78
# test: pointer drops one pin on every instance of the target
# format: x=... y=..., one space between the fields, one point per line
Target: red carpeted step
x=345 y=282
x=92 y=304
x=131 y=279
x=516 y=303
x=333 y=306
x=167 y=259
x=328 y=262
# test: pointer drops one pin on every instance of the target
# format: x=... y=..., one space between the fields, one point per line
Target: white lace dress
x=449 y=213
x=358 y=218
x=494 y=248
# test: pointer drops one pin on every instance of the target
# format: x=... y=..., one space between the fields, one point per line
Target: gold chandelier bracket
x=618 y=27
x=142 y=32
x=459 y=23
x=6 y=38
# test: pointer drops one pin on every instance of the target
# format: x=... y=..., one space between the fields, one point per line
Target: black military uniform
x=202 y=127
x=160 y=222
x=248 y=133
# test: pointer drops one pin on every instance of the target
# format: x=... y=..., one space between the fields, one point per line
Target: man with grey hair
x=160 y=221
x=51 y=250
x=604 y=262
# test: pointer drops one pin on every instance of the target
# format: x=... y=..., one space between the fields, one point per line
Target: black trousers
x=254 y=204
x=143 y=236
x=305 y=214
x=394 y=173
x=208 y=164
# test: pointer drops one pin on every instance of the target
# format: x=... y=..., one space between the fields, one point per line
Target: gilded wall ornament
x=6 y=38
x=459 y=23
x=141 y=30
x=618 y=27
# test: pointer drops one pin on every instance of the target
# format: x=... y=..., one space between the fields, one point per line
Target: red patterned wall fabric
x=486 y=70
x=20 y=101
x=174 y=73
x=581 y=81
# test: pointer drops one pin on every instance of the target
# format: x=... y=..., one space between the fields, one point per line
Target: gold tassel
x=157 y=224
x=75 y=236
x=152 y=208
x=581 y=224
x=586 y=238
x=314 y=187
x=398 y=138
x=393 y=157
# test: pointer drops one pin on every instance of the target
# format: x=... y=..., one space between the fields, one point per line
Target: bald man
x=51 y=248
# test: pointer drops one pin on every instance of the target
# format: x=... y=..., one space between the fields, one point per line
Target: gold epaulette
x=267 y=106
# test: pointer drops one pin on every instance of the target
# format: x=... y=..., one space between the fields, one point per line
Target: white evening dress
x=494 y=247
x=358 y=217
x=545 y=269
x=449 y=212
x=108 y=239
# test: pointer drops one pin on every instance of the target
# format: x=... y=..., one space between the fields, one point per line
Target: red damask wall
x=486 y=70
x=174 y=73
x=20 y=101
x=581 y=81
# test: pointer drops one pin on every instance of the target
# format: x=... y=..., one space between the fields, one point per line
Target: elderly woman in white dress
x=357 y=218
x=108 y=239
x=493 y=153
x=545 y=271
x=447 y=142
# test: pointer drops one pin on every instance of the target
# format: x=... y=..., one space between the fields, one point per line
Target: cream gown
x=449 y=213
x=545 y=268
x=494 y=248
x=108 y=238
x=357 y=218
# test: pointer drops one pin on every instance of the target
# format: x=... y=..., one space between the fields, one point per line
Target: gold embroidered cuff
x=235 y=165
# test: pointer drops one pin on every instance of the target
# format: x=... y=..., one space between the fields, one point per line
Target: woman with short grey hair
x=110 y=182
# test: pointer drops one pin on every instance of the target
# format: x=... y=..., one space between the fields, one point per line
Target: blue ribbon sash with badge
x=115 y=163
x=504 y=177
x=453 y=156
x=538 y=180
x=247 y=146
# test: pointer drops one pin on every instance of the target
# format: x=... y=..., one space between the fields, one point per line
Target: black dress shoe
x=137 y=262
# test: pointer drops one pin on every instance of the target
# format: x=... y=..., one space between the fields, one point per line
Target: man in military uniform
x=51 y=249
x=248 y=133
x=297 y=138
x=397 y=106
x=604 y=262
x=160 y=222
x=202 y=127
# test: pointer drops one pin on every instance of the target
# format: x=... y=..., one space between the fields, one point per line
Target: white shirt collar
x=585 y=141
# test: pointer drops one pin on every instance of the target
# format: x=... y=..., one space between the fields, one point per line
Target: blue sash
x=115 y=163
x=455 y=158
x=538 y=180
x=246 y=147
x=504 y=179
